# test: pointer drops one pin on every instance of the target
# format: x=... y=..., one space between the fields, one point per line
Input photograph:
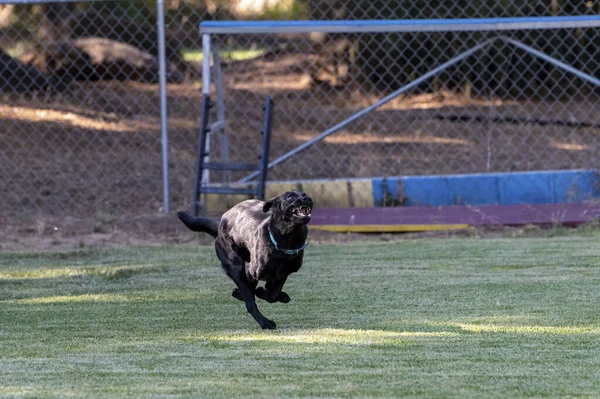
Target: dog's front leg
x=247 y=293
x=252 y=282
x=234 y=265
x=273 y=292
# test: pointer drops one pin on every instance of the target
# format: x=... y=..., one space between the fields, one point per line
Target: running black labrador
x=270 y=236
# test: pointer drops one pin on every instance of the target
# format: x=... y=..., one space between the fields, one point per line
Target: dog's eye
x=290 y=198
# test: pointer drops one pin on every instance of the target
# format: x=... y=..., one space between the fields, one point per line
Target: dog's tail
x=199 y=224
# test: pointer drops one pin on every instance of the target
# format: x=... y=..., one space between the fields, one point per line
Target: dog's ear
x=268 y=204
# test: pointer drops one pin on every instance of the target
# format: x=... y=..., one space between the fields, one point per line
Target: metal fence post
x=162 y=78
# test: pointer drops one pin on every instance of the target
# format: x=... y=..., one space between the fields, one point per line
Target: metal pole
x=266 y=143
x=204 y=131
x=206 y=91
x=553 y=61
x=400 y=25
x=223 y=142
x=372 y=107
x=162 y=79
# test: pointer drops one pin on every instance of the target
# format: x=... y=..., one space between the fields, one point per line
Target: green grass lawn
x=419 y=318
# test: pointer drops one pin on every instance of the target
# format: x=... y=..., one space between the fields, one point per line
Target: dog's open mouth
x=302 y=211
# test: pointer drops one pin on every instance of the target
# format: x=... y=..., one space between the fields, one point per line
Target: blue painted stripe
x=377 y=190
x=577 y=187
x=429 y=190
x=455 y=190
x=385 y=191
x=570 y=186
x=392 y=188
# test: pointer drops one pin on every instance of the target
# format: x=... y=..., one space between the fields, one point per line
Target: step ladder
x=203 y=165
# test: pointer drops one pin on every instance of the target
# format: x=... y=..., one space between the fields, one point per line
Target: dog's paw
x=267 y=324
x=236 y=294
x=264 y=295
x=284 y=298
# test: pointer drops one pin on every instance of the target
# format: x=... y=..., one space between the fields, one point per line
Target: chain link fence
x=503 y=109
x=80 y=132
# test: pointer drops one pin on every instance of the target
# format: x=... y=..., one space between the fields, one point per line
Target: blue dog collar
x=286 y=251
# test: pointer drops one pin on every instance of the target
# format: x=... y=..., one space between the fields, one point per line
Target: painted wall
x=547 y=187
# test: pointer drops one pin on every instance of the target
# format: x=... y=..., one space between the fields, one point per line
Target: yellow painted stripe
x=382 y=228
x=221 y=203
x=325 y=193
x=328 y=194
x=362 y=193
x=275 y=189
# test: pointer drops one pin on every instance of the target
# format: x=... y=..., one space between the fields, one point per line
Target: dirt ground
x=87 y=161
x=159 y=230
x=70 y=233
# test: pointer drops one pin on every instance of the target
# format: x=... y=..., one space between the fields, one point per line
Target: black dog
x=270 y=236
